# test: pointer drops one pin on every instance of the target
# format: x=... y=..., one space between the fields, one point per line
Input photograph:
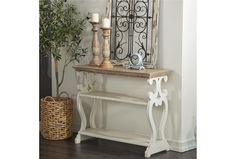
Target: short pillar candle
x=106 y=23
x=95 y=18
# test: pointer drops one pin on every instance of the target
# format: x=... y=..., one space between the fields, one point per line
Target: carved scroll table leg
x=83 y=119
x=155 y=99
x=87 y=82
x=80 y=137
x=163 y=96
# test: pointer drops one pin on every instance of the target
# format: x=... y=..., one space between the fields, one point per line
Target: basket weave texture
x=56 y=117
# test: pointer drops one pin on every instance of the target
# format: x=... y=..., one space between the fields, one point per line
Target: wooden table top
x=122 y=71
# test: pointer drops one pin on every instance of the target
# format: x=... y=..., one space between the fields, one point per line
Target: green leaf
x=61 y=25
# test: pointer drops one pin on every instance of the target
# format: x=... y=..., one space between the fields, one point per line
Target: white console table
x=91 y=87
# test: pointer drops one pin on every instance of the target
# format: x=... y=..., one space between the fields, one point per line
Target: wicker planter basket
x=56 y=117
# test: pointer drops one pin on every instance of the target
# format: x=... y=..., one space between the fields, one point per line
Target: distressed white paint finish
x=155 y=98
x=155 y=25
x=79 y=137
x=87 y=82
x=156 y=147
x=108 y=9
x=131 y=138
x=83 y=124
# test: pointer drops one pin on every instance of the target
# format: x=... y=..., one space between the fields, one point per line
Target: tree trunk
x=56 y=75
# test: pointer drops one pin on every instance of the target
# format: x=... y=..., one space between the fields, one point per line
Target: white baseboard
x=182 y=146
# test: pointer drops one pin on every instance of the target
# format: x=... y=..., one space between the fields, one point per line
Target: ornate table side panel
x=157 y=98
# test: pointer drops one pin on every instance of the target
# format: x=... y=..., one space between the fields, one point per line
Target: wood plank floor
x=101 y=149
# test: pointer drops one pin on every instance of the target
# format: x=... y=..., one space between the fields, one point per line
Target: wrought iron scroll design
x=131 y=33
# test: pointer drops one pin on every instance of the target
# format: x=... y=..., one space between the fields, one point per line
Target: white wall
x=170 y=57
x=176 y=52
x=189 y=70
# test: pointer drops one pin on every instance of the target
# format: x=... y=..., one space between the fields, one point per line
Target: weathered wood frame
x=155 y=28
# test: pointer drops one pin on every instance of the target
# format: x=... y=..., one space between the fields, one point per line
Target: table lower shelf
x=129 y=138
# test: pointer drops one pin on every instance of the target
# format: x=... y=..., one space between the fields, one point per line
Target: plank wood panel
x=114 y=97
x=122 y=71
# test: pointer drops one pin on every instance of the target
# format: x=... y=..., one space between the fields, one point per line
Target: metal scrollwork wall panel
x=132 y=29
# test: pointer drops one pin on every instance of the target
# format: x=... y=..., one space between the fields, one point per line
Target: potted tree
x=61 y=26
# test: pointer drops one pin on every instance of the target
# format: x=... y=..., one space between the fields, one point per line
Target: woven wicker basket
x=56 y=117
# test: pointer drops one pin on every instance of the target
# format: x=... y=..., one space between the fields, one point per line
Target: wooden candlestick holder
x=95 y=45
x=106 y=49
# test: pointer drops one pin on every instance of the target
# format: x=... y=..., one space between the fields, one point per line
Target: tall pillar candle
x=106 y=48
x=95 y=45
